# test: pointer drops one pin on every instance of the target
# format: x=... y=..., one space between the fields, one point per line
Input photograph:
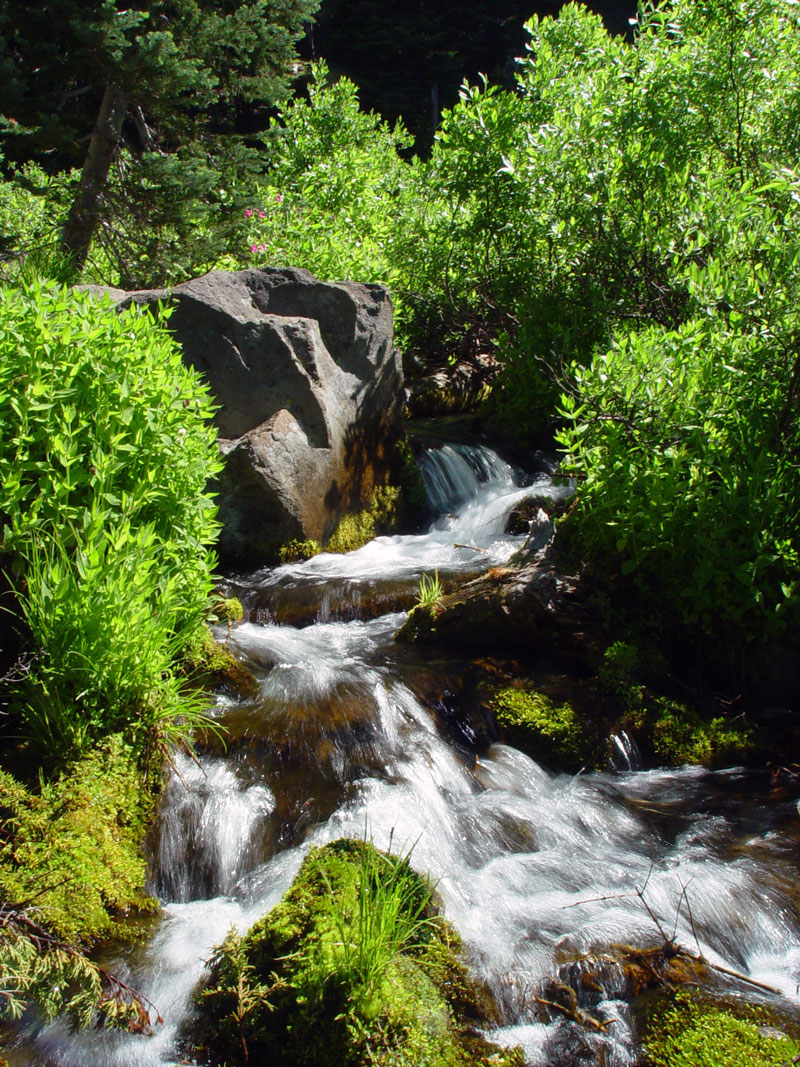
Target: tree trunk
x=84 y=215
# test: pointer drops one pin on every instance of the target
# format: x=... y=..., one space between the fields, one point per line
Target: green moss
x=229 y=609
x=210 y=664
x=296 y=551
x=74 y=846
x=420 y=624
x=352 y=967
x=680 y=735
x=670 y=731
x=352 y=531
x=693 y=1032
x=554 y=734
x=381 y=517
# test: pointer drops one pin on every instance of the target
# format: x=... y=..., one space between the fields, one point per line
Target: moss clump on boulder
x=211 y=665
x=352 y=967
x=669 y=731
x=74 y=844
x=679 y=735
x=692 y=1031
x=298 y=551
x=554 y=734
x=420 y=625
x=381 y=517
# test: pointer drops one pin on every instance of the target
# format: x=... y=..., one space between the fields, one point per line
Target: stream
x=349 y=735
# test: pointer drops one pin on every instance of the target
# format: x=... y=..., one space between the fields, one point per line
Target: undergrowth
x=353 y=967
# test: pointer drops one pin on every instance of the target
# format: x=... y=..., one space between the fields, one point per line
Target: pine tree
x=159 y=75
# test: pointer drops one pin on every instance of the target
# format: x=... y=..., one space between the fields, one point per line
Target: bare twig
x=577 y=1016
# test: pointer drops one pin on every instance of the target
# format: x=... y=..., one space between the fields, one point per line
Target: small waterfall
x=538 y=872
x=625 y=754
x=454 y=473
x=207 y=832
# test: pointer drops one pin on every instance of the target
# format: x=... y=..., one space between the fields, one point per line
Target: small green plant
x=390 y=913
x=244 y=996
x=431 y=590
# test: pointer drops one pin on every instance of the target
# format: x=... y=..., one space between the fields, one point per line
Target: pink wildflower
x=248 y=214
x=262 y=248
x=278 y=198
x=262 y=214
x=253 y=248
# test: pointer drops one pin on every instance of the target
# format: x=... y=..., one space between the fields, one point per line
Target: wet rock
x=529 y=606
x=310 y=394
x=455 y=390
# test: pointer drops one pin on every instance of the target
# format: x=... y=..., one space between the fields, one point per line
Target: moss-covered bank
x=691 y=1030
x=71 y=846
x=353 y=967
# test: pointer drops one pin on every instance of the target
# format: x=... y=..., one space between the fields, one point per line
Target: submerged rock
x=310 y=394
x=353 y=967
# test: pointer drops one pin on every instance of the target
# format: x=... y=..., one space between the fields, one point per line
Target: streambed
x=536 y=870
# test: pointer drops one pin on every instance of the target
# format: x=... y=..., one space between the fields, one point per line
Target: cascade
x=534 y=868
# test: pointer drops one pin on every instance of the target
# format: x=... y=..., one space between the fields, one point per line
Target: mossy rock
x=420 y=625
x=212 y=665
x=670 y=732
x=381 y=517
x=554 y=734
x=74 y=845
x=352 y=967
x=352 y=532
x=679 y=735
x=691 y=1030
x=298 y=551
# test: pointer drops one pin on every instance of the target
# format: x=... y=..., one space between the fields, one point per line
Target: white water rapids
x=534 y=869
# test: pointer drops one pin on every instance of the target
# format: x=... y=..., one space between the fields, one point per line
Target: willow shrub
x=686 y=441
x=106 y=447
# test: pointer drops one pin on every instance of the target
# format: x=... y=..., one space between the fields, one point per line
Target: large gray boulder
x=310 y=394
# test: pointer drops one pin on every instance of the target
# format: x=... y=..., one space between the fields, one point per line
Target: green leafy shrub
x=351 y=968
x=105 y=450
x=334 y=185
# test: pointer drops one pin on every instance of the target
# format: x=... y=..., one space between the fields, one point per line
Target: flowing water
x=348 y=735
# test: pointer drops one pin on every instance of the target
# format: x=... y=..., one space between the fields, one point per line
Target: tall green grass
x=387 y=913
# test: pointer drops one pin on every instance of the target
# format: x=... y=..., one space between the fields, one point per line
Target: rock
x=529 y=606
x=458 y=389
x=310 y=394
x=354 y=959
